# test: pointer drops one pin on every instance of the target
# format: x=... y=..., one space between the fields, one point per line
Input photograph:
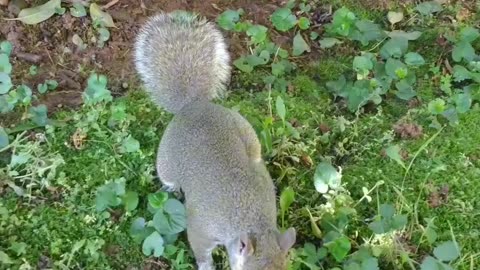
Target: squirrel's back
x=181 y=58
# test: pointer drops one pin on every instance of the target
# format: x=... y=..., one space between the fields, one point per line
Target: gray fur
x=209 y=152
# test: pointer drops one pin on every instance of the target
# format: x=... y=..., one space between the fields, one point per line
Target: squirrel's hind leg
x=202 y=248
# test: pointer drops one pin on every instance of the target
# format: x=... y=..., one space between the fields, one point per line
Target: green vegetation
x=374 y=147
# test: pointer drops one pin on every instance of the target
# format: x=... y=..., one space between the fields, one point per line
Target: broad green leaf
x=329 y=42
x=386 y=211
x=52 y=84
x=340 y=248
x=326 y=176
x=299 y=45
x=5 y=83
x=20 y=159
x=429 y=7
x=96 y=90
x=19 y=248
x=42 y=88
x=6 y=47
x=5 y=259
x=370 y=264
x=98 y=15
x=4 y=141
x=378 y=227
x=280 y=107
x=460 y=73
x=130 y=199
x=129 y=145
x=139 y=230
x=105 y=197
x=367 y=31
x=393 y=152
x=338 y=86
x=103 y=35
x=157 y=200
x=5 y=65
x=229 y=18
x=172 y=220
x=278 y=69
x=469 y=34
x=405 y=90
x=447 y=251
x=431 y=235
x=39 y=114
x=399 y=221
x=343 y=22
x=286 y=199
x=362 y=65
x=404 y=35
x=78 y=10
x=430 y=263
x=451 y=115
x=414 y=59
x=463 y=102
x=303 y=23
x=153 y=244
x=358 y=95
x=24 y=94
x=283 y=19
x=395 y=68
x=242 y=64
x=394 y=17
x=40 y=13
x=436 y=106
x=394 y=47
x=257 y=33
x=463 y=50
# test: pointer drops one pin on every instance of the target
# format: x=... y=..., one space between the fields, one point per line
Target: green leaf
x=436 y=106
x=460 y=73
x=337 y=87
x=395 y=68
x=139 y=231
x=130 y=199
x=286 y=199
x=96 y=90
x=405 y=90
x=329 y=42
x=394 y=47
x=4 y=258
x=399 y=221
x=280 y=106
x=39 y=114
x=463 y=50
x=414 y=59
x=378 y=227
x=103 y=35
x=303 y=23
x=229 y=18
x=394 y=17
x=469 y=34
x=5 y=83
x=326 y=176
x=52 y=84
x=463 y=102
x=18 y=247
x=42 y=88
x=370 y=264
x=343 y=22
x=172 y=220
x=429 y=7
x=78 y=10
x=257 y=33
x=283 y=19
x=431 y=235
x=100 y=16
x=5 y=65
x=153 y=244
x=340 y=248
x=362 y=65
x=358 y=95
x=4 y=141
x=6 y=47
x=430 y=263
x=447 y=251
x=129 y=145
x=393 y=152
x=40 y=13
x=299 y=45
x=242 y=64
x=387 y=211
x=367 y=31
x=157 y=200
x=405 y=35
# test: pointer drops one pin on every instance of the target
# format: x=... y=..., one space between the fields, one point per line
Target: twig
x=110 y=4
x=29 y=57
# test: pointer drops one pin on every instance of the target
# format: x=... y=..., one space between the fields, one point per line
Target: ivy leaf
x=460 y=73
x=326 y=176
x=429 y=7
x=367 y=31
x=405 y=90
x=6 y=47
x=378 y=227
x=5 y=83
x=96 y=90
x=303 y=23
x=78 y=10
x=399 y=221
x=40 y=13
x=463 y=50
x=257 y=33
x=130 y=199
x=370 y=264
x=386 y=211
x=343 y=22
x=299 y=45
x=280 y=106
x=436 y=106
x=283 y=19
x=98 y=15
x=5 y=65
x=157 y=200
x=358 y=95
x=39 y=114
x=447 y=251
x=429 y=263
x=362 y=65
x=138 y=230
x=405 y=35
x=153 y=244
x=4 y=141
x=42 y=88
x=229 y=18
x=394 y=17
x=414 y=59
x=129 y=145
x=469 y=34
x=329 y=42
x=172 y=220
x=463 y=102
x=243 y=65
x=394 y=47
x=393 y=152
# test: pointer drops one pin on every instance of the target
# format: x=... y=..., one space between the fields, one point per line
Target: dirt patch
x=438 y=196
x=408 y=130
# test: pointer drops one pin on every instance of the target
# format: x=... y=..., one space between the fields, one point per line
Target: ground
x=387 y=154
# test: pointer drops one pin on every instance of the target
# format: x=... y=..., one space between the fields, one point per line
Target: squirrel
x=208 y=152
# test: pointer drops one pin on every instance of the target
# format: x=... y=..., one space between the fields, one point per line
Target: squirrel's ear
x=287 y=239
x=246 y=245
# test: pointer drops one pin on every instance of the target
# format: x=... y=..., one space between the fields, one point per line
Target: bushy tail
x=181 y=58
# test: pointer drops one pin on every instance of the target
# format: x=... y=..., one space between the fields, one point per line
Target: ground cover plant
x=367 y=111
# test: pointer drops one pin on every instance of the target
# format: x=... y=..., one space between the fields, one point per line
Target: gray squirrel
x=209 y=152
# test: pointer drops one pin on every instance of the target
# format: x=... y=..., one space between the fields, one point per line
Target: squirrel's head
x=267 y=251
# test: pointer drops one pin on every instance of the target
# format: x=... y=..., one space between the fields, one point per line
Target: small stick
x=29 y=57
x=110 y=4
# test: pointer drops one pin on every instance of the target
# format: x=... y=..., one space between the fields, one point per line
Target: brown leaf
x=408 y=130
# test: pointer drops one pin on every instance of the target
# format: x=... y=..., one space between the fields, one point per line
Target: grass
x=58 y=226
